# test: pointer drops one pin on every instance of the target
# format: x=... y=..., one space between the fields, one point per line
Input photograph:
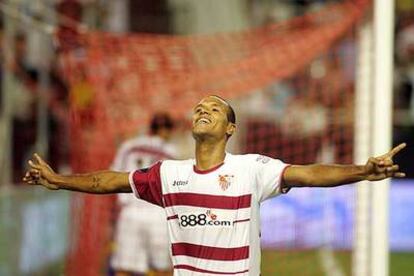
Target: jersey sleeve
x=146 y=184
x=269 y=176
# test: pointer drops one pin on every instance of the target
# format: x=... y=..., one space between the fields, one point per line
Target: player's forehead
x=212 y=100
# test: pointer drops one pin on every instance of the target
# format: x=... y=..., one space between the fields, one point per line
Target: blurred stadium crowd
x=25 y=116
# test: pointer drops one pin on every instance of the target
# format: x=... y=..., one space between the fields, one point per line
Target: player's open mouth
x=203 y=121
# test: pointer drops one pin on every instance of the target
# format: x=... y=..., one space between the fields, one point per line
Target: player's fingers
x=34 y=165
x=393 y=169
x=396 y=150
x=386 y=162
x=34 y=172
x=376 y=161
x=380 y=170
x=35 y=177
x=27 y=174
x=399 y=174
x=378 y=165
x=30 y=181
x=38 y=159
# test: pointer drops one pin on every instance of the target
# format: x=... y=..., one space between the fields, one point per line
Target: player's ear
x=231 y=128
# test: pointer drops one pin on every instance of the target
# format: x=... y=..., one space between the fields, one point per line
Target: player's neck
x=209 y=154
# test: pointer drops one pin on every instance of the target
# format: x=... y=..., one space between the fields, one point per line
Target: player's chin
x=200 y=131
x=201 y=128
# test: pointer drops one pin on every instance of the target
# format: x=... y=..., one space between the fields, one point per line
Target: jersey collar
x=198 y=171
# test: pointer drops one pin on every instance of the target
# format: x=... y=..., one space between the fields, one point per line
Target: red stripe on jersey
x=208 y=201
x=172 y=217
x=210 y=252
x=192 y=268
x=241 y=220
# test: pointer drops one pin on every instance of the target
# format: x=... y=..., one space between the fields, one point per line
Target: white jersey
x=140 y=152
x=213 y=216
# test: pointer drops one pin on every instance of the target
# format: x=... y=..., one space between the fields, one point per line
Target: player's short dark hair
x=231 y=115
x=161 y=121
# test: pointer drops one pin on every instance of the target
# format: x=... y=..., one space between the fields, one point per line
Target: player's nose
x=204 y=111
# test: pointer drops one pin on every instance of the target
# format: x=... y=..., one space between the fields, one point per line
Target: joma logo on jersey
x=180 y=183
x=207 y=219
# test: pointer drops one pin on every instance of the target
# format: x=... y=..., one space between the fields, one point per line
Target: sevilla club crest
x=225 y=181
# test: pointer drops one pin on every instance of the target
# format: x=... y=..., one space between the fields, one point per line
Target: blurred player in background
x=141 y=237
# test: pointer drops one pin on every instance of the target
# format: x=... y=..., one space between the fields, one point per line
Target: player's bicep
x=296 y=176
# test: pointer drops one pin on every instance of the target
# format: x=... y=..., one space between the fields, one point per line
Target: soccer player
x=141 y=236
x=212 y=202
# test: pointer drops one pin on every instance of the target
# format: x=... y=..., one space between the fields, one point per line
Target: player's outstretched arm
x=319 y=175
x=103 y=182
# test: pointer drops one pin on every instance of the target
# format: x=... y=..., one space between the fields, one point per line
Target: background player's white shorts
x=141 y=241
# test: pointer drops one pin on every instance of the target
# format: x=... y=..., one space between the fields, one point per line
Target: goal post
x=362 y=148
x=382 y=129
x=373 y=136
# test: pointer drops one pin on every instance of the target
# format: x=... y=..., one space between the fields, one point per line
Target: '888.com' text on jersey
x=206 y=219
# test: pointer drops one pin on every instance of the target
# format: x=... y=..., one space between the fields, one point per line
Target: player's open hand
x=40 y=173
x=381 y=167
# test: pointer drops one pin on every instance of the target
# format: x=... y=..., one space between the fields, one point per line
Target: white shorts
x=141 y=241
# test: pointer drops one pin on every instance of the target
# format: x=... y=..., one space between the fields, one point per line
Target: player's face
x=210 y=119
